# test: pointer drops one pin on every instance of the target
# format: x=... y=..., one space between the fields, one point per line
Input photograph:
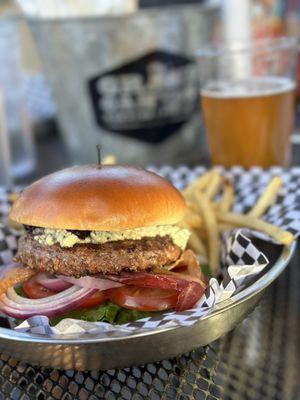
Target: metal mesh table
x=258 y=360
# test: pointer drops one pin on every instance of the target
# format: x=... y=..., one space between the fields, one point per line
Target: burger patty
x=106 y=258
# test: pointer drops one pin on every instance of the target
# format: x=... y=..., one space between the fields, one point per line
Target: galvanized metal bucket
x=128 y=81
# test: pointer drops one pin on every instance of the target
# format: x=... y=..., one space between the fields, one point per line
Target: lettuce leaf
x=108 y=312
x=104 y=313
x=20 y=291
x=205 y=268
x=125 y=315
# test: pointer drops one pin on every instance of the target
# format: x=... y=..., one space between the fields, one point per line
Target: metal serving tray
x=90 y=352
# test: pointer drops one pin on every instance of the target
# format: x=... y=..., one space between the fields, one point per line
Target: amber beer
x=249 y=123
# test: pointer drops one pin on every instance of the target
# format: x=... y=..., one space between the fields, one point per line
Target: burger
x=99 y=238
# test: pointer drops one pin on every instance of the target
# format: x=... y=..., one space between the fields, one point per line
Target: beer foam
x=253 y=87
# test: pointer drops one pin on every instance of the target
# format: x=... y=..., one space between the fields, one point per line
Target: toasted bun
x=106 y=198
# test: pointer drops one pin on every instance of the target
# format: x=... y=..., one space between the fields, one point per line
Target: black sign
x=148 y=99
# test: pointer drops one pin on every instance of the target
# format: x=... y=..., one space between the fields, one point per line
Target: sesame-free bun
x=93 y=197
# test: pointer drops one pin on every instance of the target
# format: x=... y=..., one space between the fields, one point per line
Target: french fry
x=247 y=221
x=200 y=183
x=214 y=185
x=209 y=218
x=227 y=198
x=225 y=227
x=196 y=244
x=193 y=220
x=201 y=232
x=267 y=198
x=109 y=159
x=192 y=206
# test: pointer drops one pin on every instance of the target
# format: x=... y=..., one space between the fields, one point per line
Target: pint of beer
x=249 y=118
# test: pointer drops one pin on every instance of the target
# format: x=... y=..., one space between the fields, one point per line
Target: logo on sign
x=148 y=99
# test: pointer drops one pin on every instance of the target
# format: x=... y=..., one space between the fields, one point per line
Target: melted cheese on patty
x=68 y=239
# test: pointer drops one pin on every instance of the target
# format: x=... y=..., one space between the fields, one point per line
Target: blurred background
x=120 y=73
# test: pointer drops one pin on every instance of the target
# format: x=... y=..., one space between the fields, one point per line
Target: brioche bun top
x=105 y=198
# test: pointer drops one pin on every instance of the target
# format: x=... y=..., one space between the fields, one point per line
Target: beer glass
x=247 y=96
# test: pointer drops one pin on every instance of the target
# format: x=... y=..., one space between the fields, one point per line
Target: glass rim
x=255 y=45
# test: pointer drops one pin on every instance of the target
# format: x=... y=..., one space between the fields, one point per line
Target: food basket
x=96 y=351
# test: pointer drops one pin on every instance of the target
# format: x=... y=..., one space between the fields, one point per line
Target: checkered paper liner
x=243 y=262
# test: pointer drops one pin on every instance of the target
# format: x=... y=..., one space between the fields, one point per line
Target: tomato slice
x=36 y=291
x=143 y=299
x=96 y=299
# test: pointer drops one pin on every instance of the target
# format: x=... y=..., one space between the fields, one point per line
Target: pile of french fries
x=207 y=217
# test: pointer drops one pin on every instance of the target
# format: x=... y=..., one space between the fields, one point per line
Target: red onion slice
x=72 y=298
x=52 y=282
x=13 y=296
x=90 y=282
